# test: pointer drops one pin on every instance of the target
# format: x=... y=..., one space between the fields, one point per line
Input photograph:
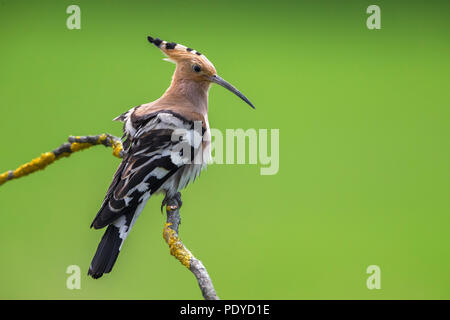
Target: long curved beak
x=225 y=84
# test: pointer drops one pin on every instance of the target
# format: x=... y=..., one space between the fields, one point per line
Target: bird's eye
x=196 y=68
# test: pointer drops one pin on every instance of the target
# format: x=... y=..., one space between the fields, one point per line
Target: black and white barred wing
x=154 y=157
x=156 y=152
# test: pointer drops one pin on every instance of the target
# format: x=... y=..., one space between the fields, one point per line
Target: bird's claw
x=172 y=203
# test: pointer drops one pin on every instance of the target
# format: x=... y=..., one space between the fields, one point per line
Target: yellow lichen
x=177 y=249
x=36 y=164
x=171 y=208
x=77 y=146
x=101 y=138
x=117 y=148
x=4 y=177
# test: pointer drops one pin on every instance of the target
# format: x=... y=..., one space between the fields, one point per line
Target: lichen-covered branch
x=66 y=149
x=177 y=248
x=179 y=251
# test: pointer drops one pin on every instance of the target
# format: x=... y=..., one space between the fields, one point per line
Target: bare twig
x=179 y=251
x=177 y=248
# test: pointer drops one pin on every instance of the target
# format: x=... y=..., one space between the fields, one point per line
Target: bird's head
x=193 y=65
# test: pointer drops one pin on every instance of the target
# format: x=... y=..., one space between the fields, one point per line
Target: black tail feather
x=107 y=252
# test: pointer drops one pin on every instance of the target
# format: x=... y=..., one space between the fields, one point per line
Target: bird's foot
x=172 y=203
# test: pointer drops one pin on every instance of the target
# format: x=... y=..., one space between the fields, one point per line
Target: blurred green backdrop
x=364 y=155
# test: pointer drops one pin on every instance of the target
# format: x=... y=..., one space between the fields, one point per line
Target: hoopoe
x=161 y=140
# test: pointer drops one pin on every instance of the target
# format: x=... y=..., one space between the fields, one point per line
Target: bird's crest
x=193 y=65
x=177 y=52
x=172 y=47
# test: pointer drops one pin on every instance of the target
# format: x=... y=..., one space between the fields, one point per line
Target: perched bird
x=167 y=144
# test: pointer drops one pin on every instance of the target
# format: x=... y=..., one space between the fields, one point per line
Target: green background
x=364 y=125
